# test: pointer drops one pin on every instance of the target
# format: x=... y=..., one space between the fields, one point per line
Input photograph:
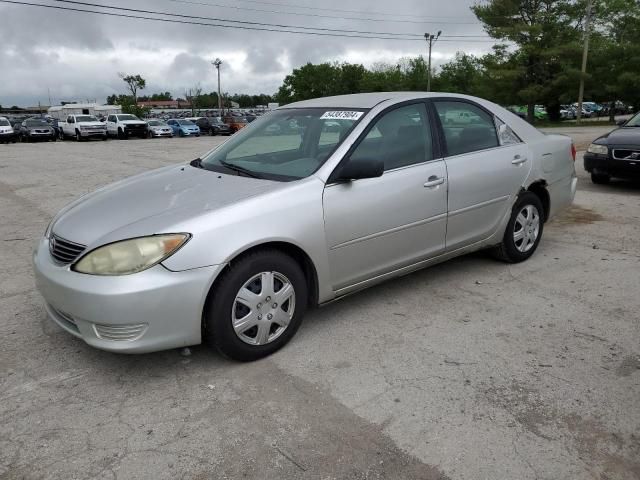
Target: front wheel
x=78 y=137
x=524 y=230
x=256 y=306
x=600 y=178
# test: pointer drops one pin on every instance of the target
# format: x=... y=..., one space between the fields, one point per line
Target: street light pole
x=217 y=62
x=431 y=39
x=585 y=54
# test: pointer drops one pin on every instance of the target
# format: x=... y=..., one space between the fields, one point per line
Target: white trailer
x=61 y=112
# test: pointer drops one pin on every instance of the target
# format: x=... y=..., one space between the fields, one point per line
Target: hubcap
x=526 y=228
x=263 y=308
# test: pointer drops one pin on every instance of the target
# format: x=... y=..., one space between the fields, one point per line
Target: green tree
x=547 y=37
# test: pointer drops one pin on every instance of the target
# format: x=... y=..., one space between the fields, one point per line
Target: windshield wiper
x=239 y=169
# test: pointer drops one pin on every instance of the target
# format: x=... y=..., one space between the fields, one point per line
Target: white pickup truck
x=124 y=125
x=81 y=127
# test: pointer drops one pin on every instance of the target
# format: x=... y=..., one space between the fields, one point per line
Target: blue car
x=184 y=128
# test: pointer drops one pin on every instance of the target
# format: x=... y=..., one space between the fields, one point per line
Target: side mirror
x=621 y=122
x=356 y=169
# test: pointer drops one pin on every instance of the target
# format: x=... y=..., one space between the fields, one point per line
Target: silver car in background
x=158 y=128
x=311 y=202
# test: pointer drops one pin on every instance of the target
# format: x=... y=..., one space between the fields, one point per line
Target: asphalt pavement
x=472 y=369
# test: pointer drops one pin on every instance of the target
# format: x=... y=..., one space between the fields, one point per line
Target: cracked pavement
x=470 y=369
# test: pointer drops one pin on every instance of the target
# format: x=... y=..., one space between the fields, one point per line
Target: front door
x=377 y=225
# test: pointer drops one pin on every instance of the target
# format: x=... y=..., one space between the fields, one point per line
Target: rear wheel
x=600 y=178
x=524 y=230
x=256 y=306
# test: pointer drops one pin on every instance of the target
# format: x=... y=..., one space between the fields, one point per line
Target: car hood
x=152 y=202
x=622 y=136
x=132 y=122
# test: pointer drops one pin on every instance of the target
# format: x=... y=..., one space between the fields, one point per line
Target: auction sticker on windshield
x=341 y=115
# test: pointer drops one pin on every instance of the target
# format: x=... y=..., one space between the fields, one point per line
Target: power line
x=243 y=22
x=238 y=27
x=317 y=15
x=326 y=9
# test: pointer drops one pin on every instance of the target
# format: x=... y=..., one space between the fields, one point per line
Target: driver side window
x=401 y=137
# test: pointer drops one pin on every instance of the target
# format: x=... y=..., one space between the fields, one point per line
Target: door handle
x=517 y=160
x=434 y=181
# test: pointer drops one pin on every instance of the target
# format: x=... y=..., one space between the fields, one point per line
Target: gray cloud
x=77 y=56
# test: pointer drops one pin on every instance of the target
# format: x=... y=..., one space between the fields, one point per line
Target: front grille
x=64 y=251
x=622 y=154
x=120 y=332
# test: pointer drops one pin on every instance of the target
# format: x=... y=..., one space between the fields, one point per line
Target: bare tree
x=134 y=83
x=193 y=95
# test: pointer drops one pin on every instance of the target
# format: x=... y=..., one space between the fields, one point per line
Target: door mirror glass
x=360 y=168
x=621 y=122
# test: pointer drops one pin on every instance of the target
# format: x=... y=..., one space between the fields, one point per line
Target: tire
x=121 y=134
x=600 y=178
x=105 y=137
x=53 y=138
x=150 y=135
x=180 y=134
x=78 y=136
x=261 y=337
x=528 y=208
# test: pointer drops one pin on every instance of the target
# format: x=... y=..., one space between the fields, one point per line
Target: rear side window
x=399 y=138
x=467 y=128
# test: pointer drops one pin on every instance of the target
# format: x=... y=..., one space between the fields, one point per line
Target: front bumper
x=33 y=135
x=610 y=166
x=93 y=133
x=8 y=136
x=156 y=309
x=160 y=133
x=135 y=130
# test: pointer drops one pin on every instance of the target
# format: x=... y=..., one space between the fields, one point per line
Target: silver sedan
x=309 y=203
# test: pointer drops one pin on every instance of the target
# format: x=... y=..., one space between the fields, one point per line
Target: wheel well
x=540 y=189
x=293 y=251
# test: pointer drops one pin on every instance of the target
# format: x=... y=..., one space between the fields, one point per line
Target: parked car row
x=121 y=126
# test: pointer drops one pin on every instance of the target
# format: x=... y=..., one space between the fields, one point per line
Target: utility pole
x=431 y=39
x=216 y=63
x=585 y=54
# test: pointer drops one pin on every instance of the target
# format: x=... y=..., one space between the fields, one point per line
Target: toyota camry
x=316 y=200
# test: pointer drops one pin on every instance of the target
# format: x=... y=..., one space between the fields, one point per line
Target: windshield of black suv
x=36 y=122
x=285 y=145
x=634 y=122
x=127 y=117
x=86 y=118
x=4 y=123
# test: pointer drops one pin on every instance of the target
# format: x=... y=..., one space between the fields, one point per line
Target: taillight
x=573 y=151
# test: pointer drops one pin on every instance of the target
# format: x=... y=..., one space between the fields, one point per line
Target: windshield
x=634 y=122
x=36 y=122
x=4 y=123
x=285 y=145
x=127 y=117
x=86 y=118
x=185 y=122
x=156 y=123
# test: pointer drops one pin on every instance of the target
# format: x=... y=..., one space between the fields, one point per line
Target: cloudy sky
x=77 y=56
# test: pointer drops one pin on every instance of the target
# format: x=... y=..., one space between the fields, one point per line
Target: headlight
x=130 y=256
x=598 y=149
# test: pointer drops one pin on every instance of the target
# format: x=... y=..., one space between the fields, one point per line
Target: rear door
x=376 y=225
x=485 y=170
